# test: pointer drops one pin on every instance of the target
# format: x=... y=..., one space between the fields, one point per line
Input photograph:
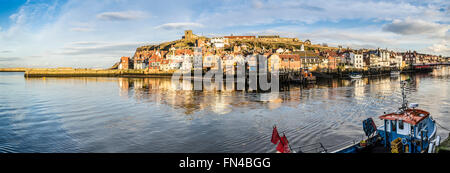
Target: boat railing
x=316 y=147
x=342 y=145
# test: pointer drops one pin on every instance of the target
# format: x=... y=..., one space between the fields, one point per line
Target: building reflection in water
x=182 y=95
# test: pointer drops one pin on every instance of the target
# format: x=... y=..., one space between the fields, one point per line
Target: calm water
x=148 y=115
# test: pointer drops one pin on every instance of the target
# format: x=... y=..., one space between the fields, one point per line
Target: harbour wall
x=93 y=73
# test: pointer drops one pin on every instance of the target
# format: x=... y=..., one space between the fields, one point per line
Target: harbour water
x=84 y=114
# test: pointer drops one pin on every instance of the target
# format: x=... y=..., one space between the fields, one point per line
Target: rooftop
x=410 y=116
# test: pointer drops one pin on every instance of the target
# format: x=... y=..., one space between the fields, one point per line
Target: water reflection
x=164 y=91
x=152 y=115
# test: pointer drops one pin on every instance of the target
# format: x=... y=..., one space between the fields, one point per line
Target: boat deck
x=376 y=149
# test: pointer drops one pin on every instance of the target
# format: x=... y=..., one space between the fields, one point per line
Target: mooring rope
x=442 y=126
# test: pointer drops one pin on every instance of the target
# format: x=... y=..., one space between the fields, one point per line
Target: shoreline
x=72 y=72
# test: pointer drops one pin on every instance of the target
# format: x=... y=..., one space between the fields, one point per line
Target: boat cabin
x=412 y=127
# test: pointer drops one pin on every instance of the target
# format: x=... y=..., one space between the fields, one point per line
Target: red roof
x=410 y=116
x=124 y=58
x=183 y=51
x=165 y=62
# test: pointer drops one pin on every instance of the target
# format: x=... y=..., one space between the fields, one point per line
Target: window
x=400 y=125
x=394 y=126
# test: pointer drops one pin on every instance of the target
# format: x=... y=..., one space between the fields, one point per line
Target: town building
x=332 y=62
x=154 y=61
x=239 y=37
x=384 y=55
x=309 y=59
x=140 y=63
x=125 y=63
x=396 y=60
x=356 y=60
x=219 y=42
x=290 y=62
x=409 y=57
x=279 y=50
x=373 y=61
x=197 y=58
x=273 y=62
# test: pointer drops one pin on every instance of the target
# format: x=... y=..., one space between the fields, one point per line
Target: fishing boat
x=355 y=75
x=408 y=130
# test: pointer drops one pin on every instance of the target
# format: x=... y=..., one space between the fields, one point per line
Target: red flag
x=275 y=135
x=286 y=144
x=280 y=147
x=283 y=146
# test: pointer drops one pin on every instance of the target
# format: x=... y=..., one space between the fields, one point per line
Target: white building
x=356 y=60
x=374 y=61
x=384 y=57
x=219 y=42
x=198 y=58
x=187 y=63
x=396 y=60
x=279 y=50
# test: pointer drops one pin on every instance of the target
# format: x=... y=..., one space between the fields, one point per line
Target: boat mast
x=404 y=101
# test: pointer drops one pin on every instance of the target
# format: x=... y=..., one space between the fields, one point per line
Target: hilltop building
x=188 y=35
x=219 y=42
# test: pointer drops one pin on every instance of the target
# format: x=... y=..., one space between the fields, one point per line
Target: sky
x=96 y=33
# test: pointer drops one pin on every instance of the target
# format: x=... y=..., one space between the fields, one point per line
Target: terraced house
x=396 y=60
x=125 y=63
x=290 y=62
x=356 y=60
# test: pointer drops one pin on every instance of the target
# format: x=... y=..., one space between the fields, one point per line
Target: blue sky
x=7 y=8
x=95 y=33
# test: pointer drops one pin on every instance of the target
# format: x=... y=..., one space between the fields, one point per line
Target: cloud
x=121 y=16
x=5 y=51
x=273 y=32
x=251 y=13
x=177 y=26
x=9 y=59
x=257 y=4
x=442 y=48
x=99 y=48
x=416 y=27
x=76 y=31
x=80 y=29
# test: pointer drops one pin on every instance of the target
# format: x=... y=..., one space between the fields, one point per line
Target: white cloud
x=5 y=51
x=416 y=27
x=100 y=48
x=442 y=48
x=257 y=4
x=309 y=12
x=121 y=16
x=82 y=29
x=82 y=32
x=181 y=25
